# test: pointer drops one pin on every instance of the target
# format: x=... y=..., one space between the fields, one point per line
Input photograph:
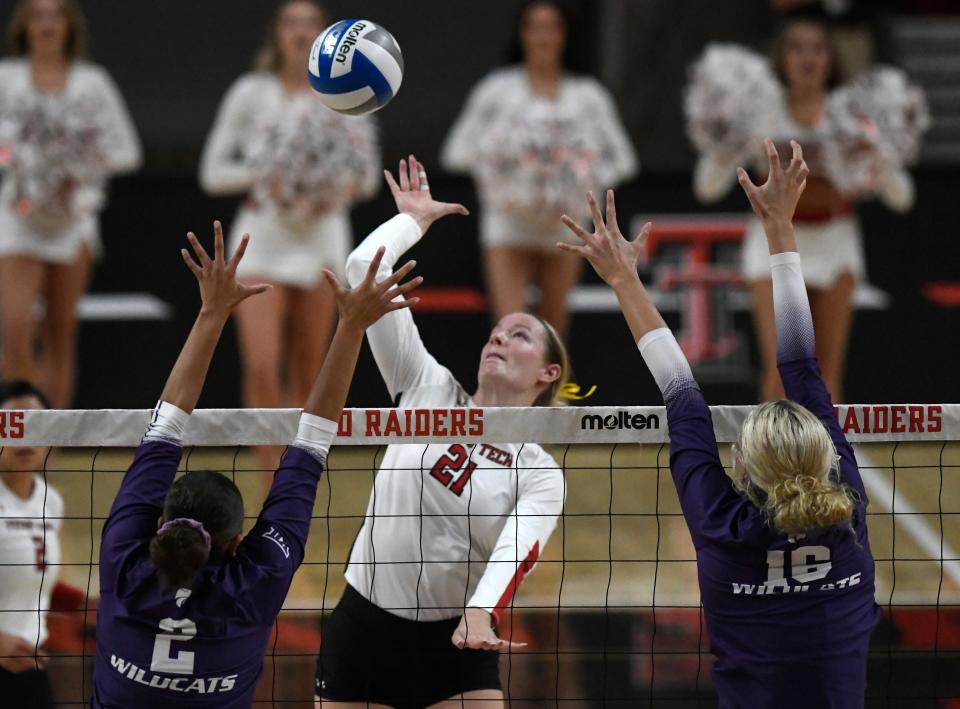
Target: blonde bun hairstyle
x=787 y=457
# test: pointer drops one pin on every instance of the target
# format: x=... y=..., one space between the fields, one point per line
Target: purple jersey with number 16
x=200 y=646
x=789 y=618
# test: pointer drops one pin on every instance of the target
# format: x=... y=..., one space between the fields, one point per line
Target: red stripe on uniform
x=517 y=579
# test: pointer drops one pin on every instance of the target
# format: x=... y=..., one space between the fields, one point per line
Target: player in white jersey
x=450 y=530
x=30 y=516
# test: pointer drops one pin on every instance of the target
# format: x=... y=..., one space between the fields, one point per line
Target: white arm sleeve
x=394 y=339
x=223 y=169
x=315 y=435
x=896 y=189
x=613 y=138
x=662 y=354
x=123 y=152
x=167 y=423
x=522 y=539
x=713 y=177
x=791 y=308
x=463 y=144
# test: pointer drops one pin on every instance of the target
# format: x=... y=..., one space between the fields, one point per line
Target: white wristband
x=167 y=423
x=315 y=434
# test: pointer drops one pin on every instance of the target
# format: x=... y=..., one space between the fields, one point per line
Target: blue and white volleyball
x=355 y=66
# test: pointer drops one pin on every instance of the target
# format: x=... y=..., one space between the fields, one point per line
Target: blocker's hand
x=775 y=201
x=611 y=255
x=220 y=292
x=413 y=197
x=361 y=306
x=475 y=632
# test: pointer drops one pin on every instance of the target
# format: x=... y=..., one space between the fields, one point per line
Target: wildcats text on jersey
x=187 y=685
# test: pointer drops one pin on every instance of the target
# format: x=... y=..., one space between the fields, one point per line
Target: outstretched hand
x=412 y=195
x=611 y=255
x=361 y=306
x=775 y=201
x=220 y=292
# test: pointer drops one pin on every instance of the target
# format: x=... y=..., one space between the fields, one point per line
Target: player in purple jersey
x=186 y=603
x=784 y=563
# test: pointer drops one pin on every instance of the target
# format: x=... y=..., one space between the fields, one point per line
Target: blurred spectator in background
x=536 y=136
x=851 y=28
x=31 y=513
x=856 y=140
x=302 y=167
x=64 y=129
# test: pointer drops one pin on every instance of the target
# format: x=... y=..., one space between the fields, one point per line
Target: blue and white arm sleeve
x=167 y=424
x=791 y=308
x=666 y=362
x=315 y=435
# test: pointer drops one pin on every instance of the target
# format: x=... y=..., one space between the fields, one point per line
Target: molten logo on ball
x=355 y=66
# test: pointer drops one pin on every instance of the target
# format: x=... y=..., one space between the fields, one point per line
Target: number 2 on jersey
x=456 y=460
x=173 y=630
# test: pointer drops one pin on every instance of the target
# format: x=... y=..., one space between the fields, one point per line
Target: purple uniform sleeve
x=139 y=503
x=274 y=549
x=797 y=360
x=714 y=511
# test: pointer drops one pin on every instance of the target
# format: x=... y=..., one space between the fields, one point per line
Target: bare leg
x=770 y=385
x=260 y=329
x=21 y=280
x=508 y=272
x=557 y=275
x=65 y=285
x=832 y=310
x=312 y=317
x=477 y=699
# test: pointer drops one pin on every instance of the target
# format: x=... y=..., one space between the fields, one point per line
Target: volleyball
x=355 y=66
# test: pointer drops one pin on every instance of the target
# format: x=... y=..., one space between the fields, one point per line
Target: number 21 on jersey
x=455 y=460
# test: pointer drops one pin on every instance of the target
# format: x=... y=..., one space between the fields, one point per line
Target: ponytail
x=788 y=457
x=203 y=513
x=805 y=502
x=179 y=550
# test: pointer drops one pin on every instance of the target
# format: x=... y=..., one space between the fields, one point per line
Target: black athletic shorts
x=370 y=655
x=25 y=690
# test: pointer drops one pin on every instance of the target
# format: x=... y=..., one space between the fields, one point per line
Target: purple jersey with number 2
x=200 y=646
x=789 y=619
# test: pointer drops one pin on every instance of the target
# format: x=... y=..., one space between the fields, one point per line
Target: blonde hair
x=76 y=42
x=268 y=58
x=556 y=353
x=788 y=456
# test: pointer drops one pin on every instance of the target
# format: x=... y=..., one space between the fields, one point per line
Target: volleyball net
x=611 y=615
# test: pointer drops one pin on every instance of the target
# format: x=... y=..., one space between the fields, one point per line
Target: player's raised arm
x=394 y=340
x=702 y=485
x=220 y=293
x=774 y=202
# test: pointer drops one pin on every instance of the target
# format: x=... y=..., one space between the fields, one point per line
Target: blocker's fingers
x=802 y=172
x=338 y=289
x=187 y=259
x=374 y=265
x=576 y=229
x=403 y=288
x=595 y=212
x=404 y=177
x=773 y=157
x=745 y=182
x=218 y=242
x=198 y=249
x=401 y=304
x=397 y=276
x=644 y=233
x=797 y=150
x=238 y=254
x=574 y=248
x=611 y=211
